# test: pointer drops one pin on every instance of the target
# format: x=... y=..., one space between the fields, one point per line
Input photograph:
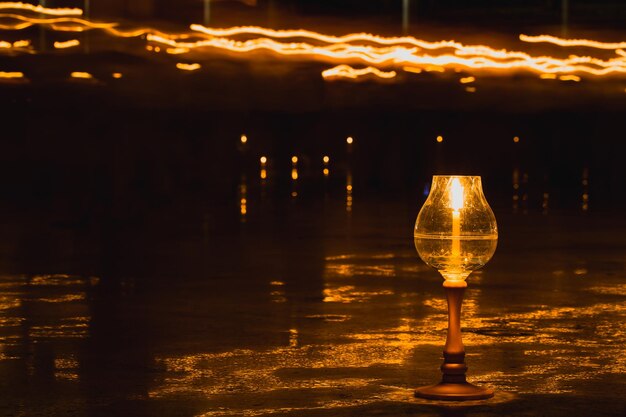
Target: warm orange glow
x=326 y=172
x=516 y=139
x=40 y=9
x=263 y=174
x=569 y=78
x=382 y=56
x=326 y=159
x=117 y=75
x=439 y=139
x=80 y=74
x=294 y=174
x=177 y=51
x=67 y=44
x=294 y=159
x=467 y=80
x=243 y=139
x=188 y=67
x=572 y=42
x=11 y=75
x=263 y=160
x=415 y=70
x=349 y=140
x=470 y=89
x=548 y=76
x=346 y=71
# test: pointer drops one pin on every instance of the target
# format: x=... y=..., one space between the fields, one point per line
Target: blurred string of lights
x=382 y=56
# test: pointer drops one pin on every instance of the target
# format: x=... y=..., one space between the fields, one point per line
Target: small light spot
x=439 y=139
x=516 y=139
x=326 y=159
x=244 y=139
x=348 y=187
x=349 y=140
x=548 y=76
x=263 y=160
x=470 y=89
x=294 y=159
x=326 y=172
x=80 y=74
x=467 y=80
x=117 y=75
x=188 y=67
x=569 y=78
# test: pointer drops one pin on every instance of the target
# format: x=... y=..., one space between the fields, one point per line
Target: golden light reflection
x=470 y=89
x=516 y=139
x=349 y=192
x=67 y=44
x=21 y=44
x=188 y=67
x=294 y=174
x=41 y=9
x=570 y=77
x=81 y=75
x=293 y=338
x=467 y=80
x=346 y=71
x=243 y=139
x=377 y=52
x=349 y=140
x=439 y=139
x=11 y=75
x=243 y=199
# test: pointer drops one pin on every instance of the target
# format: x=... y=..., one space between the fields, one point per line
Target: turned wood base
x=454 y=392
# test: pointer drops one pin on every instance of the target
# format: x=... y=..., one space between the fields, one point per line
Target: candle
x=456 y=204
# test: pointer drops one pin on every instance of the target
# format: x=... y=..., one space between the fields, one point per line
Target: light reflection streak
x=81 y=75
x=67 y=44
x=188 y=67
x=41 y=9
x=406 y=52
x=346 y=71
x=11 y=75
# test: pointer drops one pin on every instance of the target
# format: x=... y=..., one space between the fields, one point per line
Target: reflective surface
x=304 y=310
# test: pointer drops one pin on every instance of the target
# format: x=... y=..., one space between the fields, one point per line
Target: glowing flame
x=467 y=80
x=456 y=195
x=188 y=67
x=67 y=44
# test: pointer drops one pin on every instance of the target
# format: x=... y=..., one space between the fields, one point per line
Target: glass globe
x=456 y=231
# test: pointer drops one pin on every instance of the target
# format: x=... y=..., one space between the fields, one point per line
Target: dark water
x=306 y=308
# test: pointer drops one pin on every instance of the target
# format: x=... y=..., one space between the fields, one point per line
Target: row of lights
x=350 y=139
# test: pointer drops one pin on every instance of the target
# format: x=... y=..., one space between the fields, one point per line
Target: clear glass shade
x=456 y=231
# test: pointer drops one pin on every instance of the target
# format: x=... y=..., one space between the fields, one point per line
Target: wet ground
x=305 y=309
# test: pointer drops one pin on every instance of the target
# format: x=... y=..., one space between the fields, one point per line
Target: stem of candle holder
x=453 y=385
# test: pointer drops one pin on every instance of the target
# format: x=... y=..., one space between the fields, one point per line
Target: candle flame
x=456 y=195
